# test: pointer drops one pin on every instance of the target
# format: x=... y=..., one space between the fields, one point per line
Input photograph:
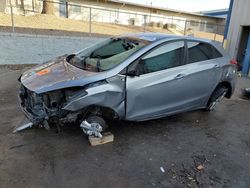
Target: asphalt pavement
x=194 y=149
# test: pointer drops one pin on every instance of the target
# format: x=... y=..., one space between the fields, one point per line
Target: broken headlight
x=56 y=99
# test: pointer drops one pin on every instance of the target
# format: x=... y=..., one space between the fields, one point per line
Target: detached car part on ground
x=246 y=93
x=134 y=77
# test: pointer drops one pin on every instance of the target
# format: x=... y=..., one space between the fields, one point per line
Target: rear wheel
x=217 y=96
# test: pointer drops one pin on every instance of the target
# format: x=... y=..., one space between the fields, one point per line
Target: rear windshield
x=107 y=54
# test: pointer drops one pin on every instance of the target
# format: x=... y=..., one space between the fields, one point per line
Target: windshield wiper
x=69 y=57
x=84 y=62
x=98 y=64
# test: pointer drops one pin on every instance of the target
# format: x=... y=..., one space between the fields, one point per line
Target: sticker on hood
x=43 y=72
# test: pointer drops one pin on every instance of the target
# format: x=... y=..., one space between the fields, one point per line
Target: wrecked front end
x=47 y=88
x=32 y=105
x=87 y=100
x=80 y=87
x=87 y=106
x=48 y=107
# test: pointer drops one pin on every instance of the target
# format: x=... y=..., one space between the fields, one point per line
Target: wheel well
x=228 y=86
x=105 y=112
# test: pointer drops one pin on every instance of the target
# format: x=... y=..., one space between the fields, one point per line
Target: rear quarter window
x=200 y=51
x=216 y=53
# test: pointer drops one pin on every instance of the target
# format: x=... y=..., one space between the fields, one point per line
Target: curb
x=46 y=36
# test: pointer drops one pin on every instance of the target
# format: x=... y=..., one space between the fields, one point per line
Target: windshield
x=107 y=54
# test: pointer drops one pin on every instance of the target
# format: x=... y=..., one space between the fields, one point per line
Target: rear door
x=202 y=71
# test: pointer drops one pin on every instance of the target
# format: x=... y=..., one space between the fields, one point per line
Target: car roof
x=154 y=37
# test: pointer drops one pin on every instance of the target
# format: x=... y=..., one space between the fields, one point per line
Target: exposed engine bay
x=40 y=107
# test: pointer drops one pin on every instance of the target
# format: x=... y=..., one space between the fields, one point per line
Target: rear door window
x=200 y=51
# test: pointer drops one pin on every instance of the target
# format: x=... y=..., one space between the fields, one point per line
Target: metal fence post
x=214 y=36
x=185 y=28
x=22 y=7
x=215 y=32
x=12 y=17
x=66 y=10
x=33 y=6
x=90 y=20
x=145 y=17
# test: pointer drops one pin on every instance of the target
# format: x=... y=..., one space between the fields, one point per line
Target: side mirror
x=132 y=73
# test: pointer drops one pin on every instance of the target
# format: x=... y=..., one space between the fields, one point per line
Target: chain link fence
x=72 y=18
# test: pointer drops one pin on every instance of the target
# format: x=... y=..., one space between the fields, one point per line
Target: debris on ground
x=200 y=167
x=194 y=174
x=246 y=93
x=162 y=169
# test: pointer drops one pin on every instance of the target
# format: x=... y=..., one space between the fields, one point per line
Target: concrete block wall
x=35 y=49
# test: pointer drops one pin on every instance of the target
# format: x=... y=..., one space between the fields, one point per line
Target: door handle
x=179 y=76
x=216 y=66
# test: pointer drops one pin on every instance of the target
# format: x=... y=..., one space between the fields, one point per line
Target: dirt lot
x=53 y=25
x=219 y=141
x=46 y=23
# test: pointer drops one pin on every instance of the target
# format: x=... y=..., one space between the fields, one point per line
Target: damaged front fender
x=109 y=93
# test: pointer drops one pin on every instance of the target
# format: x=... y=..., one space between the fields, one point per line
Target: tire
x=99 y=120
x=216 y=97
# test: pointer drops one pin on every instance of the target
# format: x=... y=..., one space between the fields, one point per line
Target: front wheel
x=94 y=125
x=217 y=96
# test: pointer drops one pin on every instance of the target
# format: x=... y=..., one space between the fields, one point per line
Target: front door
x=160 y=86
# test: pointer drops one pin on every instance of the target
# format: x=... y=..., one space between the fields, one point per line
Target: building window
x=76 y=9
x=194 y=23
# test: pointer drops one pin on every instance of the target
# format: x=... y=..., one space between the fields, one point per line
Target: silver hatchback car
x=134 y=77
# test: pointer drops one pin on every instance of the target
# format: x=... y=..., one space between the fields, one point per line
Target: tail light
x=233 y=62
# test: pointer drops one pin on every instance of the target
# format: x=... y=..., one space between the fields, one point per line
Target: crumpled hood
x=55 y=75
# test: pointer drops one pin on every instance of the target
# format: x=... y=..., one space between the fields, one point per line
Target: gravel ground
x=218 y=143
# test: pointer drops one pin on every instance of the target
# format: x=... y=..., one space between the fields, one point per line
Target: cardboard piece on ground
x=106 y=138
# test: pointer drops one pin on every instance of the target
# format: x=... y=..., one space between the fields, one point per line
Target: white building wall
x=240 y=17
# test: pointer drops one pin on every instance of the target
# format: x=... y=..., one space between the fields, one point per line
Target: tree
x=48 y=7
x=22 y=7
x=2 y=5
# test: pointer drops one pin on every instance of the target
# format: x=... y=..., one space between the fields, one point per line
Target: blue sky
x=186 y=5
